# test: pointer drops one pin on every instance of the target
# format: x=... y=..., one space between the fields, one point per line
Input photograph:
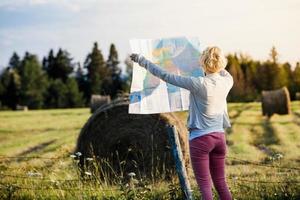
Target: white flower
x=279 y=155
x=88 y=173
x=78 y=154
x=131 y=174
x=89 y=159
x=34 y=174
x=72 y=156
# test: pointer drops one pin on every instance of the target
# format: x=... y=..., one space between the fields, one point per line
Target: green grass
x=53 y=133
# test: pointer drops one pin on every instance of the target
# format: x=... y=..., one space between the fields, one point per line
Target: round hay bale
x=130 y=142
x=97 y=101
x=276 y=102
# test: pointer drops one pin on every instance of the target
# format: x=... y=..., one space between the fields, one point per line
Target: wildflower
x=279 y=156
x=131 y=174
x=34 y=174
x=88 y=173
x=72 y=156
x=89 y=159
x=78 y=154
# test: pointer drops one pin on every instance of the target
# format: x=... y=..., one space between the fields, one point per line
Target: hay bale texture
x=131 y=142
x=98 y=100
x=276 y=102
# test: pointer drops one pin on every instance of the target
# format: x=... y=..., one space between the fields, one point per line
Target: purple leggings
x=208 y=159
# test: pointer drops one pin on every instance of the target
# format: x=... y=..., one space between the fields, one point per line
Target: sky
x=248 y=26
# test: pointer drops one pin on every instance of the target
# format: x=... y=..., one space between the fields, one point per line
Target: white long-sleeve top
x=208 y=105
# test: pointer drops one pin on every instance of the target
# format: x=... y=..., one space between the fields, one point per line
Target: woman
x=207 y=118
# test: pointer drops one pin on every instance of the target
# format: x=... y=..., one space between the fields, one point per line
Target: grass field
x=262 y=163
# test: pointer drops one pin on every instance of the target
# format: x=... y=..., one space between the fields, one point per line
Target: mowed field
x=263 y=160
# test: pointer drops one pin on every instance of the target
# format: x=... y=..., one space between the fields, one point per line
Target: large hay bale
x=276 y=101
x=98 y=100
x=131 y=142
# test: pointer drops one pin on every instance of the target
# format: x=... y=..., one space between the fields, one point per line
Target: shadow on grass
x=237 y=115
x=240 y=109
x=296 y=118
x=35 y=148
x=262 y=141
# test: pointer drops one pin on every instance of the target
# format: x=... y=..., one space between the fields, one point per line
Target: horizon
x=249 y=27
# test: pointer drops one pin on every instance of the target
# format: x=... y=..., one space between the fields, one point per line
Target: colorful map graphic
x=178 y=56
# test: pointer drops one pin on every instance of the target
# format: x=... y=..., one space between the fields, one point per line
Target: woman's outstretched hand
x=134 y=57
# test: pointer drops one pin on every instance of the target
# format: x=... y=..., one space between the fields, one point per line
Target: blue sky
x=249 y=26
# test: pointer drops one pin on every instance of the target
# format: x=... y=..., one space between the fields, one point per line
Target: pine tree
x=289 y=79
x=56 y=96
x=60 y=66
x=237 y=93
x=113 y=83
x=250 y=73
x=33 y=82
x=9 y=88
x=270 y=76
x=81 y=79
x=49 y=63
x=96 y=71
x=296 y=77
x=14 y=61
x=128 y=78
x=74 y=97
x=274 y=55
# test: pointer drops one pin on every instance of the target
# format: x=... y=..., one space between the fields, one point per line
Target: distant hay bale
x=276 y=102
x=97 y=101
x=130 y=142
x=21 y=108
x=298 y=96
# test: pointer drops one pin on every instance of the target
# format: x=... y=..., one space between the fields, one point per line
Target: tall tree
x=49 y=63
x=81 y=79
x=113 y=83
x=250 y=89
x=96 y=71
x=56 y=94
x=9 y=88
x=289 y=79
x=274 y=55
x=127 y=80
x=74 y=97
x=60 y=66
x=296 y=77
x=33 y=82
x=237 y=92
x=270 y=75
x=14 y=61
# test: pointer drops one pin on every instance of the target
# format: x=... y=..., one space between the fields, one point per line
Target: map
x=149 y=94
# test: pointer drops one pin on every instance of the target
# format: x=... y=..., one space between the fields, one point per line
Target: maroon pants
x=208 y=160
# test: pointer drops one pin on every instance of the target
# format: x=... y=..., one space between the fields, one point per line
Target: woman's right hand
x=134 y=57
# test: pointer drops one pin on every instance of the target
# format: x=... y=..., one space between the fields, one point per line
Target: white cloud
x=38 y=2
x=71 y=5
x=247 y=26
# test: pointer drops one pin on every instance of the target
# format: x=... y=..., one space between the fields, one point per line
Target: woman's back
x=208 y=109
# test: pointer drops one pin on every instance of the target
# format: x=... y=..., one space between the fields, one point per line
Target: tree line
x=251 y=76
x=58 y=82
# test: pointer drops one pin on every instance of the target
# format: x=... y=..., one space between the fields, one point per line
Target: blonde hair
x=213 y=60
